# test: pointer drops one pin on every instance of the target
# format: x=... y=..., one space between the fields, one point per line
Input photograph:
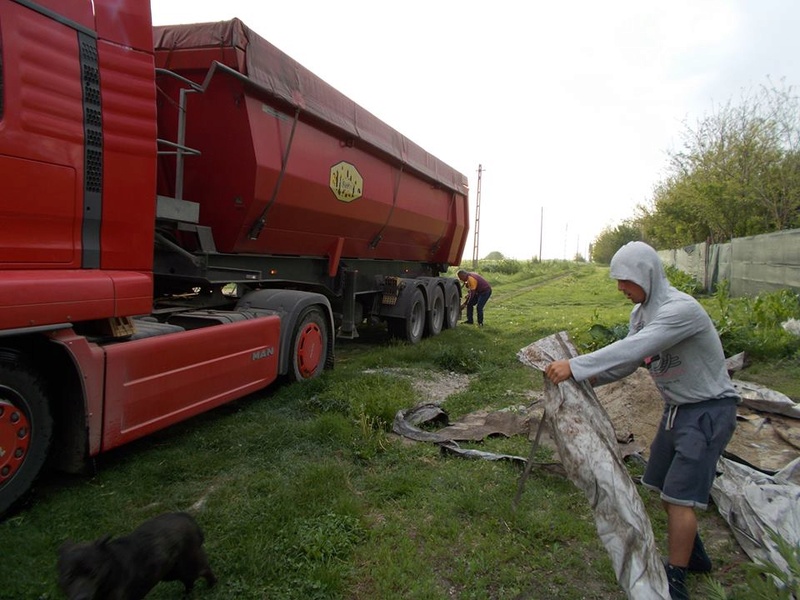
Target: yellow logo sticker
x=346 y=182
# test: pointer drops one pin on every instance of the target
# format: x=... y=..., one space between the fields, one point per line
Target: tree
x=674 y=217
x=737 y=174
x=611 y=240
x=495 y=256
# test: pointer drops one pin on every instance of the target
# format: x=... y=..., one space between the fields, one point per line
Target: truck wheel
x=309 y=345
x=436 y=313
x=415 y=317
x=25 y=431
x=451 y=307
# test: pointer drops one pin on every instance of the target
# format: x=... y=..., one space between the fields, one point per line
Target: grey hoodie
x=670 y=332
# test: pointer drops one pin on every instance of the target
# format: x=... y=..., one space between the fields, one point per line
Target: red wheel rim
x=309 y=350
x=15 y=436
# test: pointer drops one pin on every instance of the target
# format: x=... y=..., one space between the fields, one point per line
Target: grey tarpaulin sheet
x=753 y=502
x=761 y=398
x=475 y=426
x=472 y=427
x=588 y=449
x=406 y=423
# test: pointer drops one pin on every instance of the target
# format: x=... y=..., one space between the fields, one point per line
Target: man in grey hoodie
x=672 y=335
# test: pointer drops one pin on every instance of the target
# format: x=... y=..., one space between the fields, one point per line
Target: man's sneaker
x=467 y=322
x=676 y=577
x=699 y=562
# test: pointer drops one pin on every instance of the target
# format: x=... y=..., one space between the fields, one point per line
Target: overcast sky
x=569 y=106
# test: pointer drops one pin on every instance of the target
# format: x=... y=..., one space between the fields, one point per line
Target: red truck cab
x=181 y=227
x=78 y=172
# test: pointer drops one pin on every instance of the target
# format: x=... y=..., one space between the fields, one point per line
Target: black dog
x=166 y=548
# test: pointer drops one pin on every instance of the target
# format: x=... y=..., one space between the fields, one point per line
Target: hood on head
x=639 y=263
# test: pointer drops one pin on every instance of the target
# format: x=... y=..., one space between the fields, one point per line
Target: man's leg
x=681 y=531
x=482 y=300
x=479 y=307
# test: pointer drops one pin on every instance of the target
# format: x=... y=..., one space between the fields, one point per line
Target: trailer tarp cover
x=286 y=80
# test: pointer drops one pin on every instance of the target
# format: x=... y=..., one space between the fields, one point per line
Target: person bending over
x=672 y=335
x=478 y=293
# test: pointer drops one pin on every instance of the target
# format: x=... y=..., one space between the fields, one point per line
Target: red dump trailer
x=187 y=215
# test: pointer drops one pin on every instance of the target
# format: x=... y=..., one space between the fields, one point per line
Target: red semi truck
x=187 y=215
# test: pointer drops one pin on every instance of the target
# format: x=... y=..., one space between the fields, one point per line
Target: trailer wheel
x=309 y=345
x=452 y=307
x=413 y=324
x=25 y=431
x=436 y=313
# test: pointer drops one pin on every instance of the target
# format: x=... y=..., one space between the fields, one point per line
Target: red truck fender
x=307 y=329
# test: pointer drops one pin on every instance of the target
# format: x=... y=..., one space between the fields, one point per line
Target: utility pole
x=477 y=220
x=541 y=231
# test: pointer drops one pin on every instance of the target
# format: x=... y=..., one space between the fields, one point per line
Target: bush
x=600 y=336
x=458 y=359
x=507 y=266
x=683 y=281
x=753 y=325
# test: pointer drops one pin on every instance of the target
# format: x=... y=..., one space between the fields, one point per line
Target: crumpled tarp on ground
x=587 y=445
x=764 y=399
x=753 y=503
x=473 y=427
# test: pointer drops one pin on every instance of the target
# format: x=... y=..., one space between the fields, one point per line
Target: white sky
x=570 y=106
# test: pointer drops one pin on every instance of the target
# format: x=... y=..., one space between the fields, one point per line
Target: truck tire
x=309 y=345
x=26 y=428
x=451 y=307
x=435 y=313
x=413 y=323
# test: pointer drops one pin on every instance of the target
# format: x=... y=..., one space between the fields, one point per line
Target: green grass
x=782 y=375
x=304 y=494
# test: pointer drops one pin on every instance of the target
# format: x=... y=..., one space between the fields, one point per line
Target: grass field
x=303 y=493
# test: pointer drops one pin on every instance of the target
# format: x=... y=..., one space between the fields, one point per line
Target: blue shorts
x=686 y=448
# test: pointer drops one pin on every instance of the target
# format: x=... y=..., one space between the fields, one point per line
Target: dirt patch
x=431 y=387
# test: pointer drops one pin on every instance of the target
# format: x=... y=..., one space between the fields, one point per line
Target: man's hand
x=558 y=371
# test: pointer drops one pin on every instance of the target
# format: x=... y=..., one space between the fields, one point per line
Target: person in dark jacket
x=478 y=293
x=673 y=336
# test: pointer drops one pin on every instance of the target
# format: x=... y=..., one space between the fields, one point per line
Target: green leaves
x=736 y=174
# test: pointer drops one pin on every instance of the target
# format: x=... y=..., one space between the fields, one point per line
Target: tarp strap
x=258 y=225
x=379 y=236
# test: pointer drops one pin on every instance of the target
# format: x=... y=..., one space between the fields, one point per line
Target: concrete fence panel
x=760 y=263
